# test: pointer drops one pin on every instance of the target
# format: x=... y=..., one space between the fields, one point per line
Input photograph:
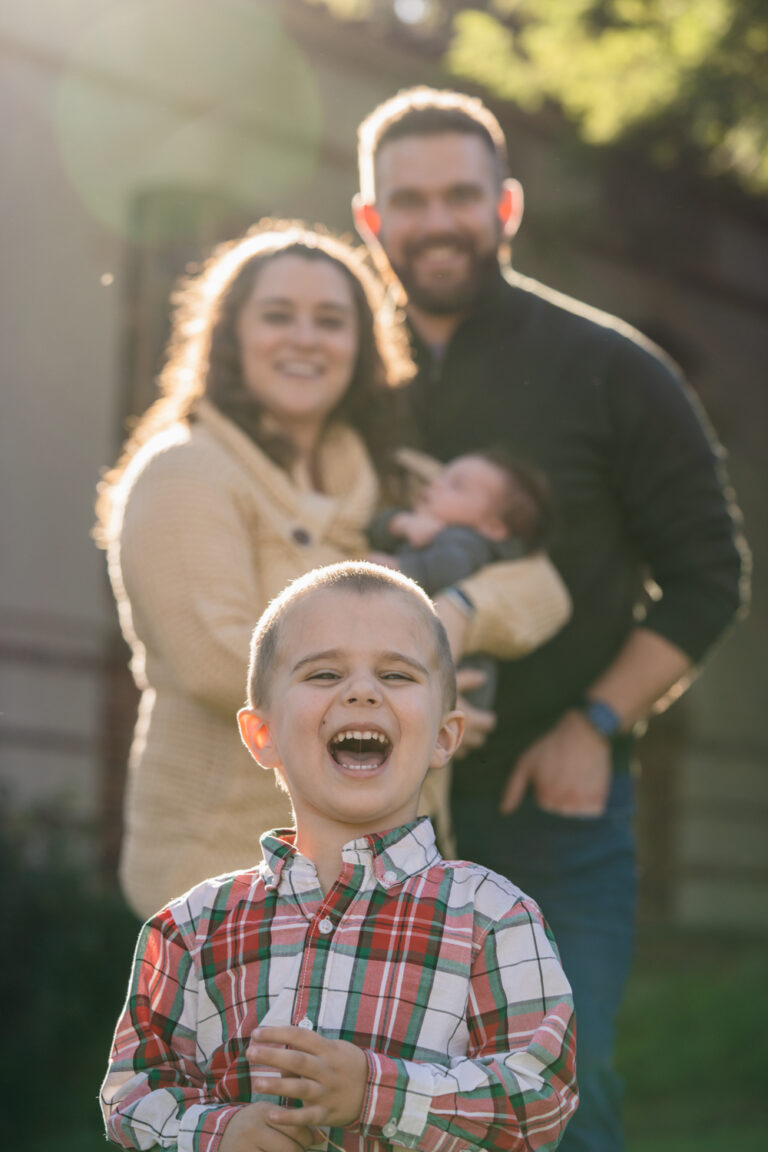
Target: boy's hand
x=251 y=1130
x=328 y=1077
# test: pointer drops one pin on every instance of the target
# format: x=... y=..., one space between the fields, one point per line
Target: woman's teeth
x=298 y=368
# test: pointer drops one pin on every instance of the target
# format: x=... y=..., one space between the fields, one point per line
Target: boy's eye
x=396 y=676
x=325 y=674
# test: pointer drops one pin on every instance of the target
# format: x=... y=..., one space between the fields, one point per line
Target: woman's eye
x=330 y=323
x=276 y=317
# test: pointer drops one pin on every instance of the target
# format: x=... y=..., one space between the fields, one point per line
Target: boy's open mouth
x=359 y=748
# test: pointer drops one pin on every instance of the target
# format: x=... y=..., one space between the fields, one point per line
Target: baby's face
x=470 y=491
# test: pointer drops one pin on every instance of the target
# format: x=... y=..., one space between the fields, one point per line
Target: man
x=638 y=490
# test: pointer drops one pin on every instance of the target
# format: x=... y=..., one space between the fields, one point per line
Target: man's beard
x=460 y=297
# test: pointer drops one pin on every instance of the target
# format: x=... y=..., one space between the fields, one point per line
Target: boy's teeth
x=359 y=735
x=359 y=748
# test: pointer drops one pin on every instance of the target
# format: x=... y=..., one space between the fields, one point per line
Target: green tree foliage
x=687 y=80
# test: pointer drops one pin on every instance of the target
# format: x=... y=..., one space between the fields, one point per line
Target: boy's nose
x=362 y=691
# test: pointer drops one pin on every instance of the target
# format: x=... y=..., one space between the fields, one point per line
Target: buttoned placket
x=319 y=947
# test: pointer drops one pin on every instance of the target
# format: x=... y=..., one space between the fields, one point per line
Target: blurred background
x=134 y=134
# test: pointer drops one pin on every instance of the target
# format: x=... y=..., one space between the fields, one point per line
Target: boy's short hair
x=363 y=579
x=527 y=509
x=424 y=111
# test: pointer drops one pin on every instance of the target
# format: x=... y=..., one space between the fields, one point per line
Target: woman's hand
x=327 y=1077
x=478 y=722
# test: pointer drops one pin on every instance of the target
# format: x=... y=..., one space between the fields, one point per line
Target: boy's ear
x=367 y=219
x=510 y=206
x=448 y=739
x=257 y=738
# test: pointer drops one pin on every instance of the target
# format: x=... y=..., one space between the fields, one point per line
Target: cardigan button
x=301 y=536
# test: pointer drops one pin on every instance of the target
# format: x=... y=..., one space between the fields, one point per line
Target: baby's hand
x=418 y=528
x=328 y=1077
x=251 y=1130
x=384 y=559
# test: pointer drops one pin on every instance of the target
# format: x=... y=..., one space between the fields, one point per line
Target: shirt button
x=306 y=1023
x=325 y=926
x=389 y=1129
x=390 y=878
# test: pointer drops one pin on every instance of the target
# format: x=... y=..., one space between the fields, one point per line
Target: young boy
x=354 y=990
x=477 y=509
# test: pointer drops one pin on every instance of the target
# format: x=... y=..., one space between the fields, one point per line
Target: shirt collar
x=391 y=856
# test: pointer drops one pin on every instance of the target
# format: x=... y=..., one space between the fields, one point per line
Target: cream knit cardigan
x=206 y=531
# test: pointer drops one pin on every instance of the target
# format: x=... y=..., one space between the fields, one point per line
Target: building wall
x=104 y=109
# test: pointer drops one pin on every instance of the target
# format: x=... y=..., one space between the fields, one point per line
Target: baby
x=479 y=508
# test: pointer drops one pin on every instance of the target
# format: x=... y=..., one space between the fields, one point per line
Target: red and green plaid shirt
x=443 y=972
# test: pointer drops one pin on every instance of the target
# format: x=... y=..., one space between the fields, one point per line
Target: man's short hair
x=425 y=111
x=362 y=579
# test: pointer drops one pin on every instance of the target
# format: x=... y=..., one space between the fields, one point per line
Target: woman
x=244 y=474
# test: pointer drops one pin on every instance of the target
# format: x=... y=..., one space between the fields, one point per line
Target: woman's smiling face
x=298 y=337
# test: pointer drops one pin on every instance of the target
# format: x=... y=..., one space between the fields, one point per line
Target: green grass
x=693 y=1045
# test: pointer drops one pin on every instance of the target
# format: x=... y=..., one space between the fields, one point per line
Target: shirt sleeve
x=184 y=575
x=668 y=471
x=454 y=553
x=515 y=1089
x=519 y=605
x=154 y=1093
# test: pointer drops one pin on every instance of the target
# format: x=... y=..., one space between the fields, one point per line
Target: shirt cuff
x=397 y=1100
x=201 y=1127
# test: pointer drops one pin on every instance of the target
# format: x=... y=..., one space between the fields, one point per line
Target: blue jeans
x=581 y=871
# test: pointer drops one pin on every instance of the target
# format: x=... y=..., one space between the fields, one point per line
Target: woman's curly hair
x=203 y=351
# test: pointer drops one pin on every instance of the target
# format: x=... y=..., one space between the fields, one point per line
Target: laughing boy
x=354 y=990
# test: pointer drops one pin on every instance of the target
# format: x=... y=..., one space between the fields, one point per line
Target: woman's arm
x=518 y=605
x=184 y=576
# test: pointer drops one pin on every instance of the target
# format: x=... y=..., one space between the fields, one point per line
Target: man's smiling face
x=437 y=199
x=355 y=713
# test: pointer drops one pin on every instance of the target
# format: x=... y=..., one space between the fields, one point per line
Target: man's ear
x=448 y=739
x=257 y=738
x=510 y=207
x=367 y=219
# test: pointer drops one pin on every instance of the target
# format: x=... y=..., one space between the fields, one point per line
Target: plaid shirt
x=444 y=973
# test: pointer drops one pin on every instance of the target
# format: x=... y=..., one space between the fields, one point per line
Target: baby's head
x=492 y=493
x=351 y=695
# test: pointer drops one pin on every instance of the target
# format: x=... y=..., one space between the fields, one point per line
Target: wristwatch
x=601 y=716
